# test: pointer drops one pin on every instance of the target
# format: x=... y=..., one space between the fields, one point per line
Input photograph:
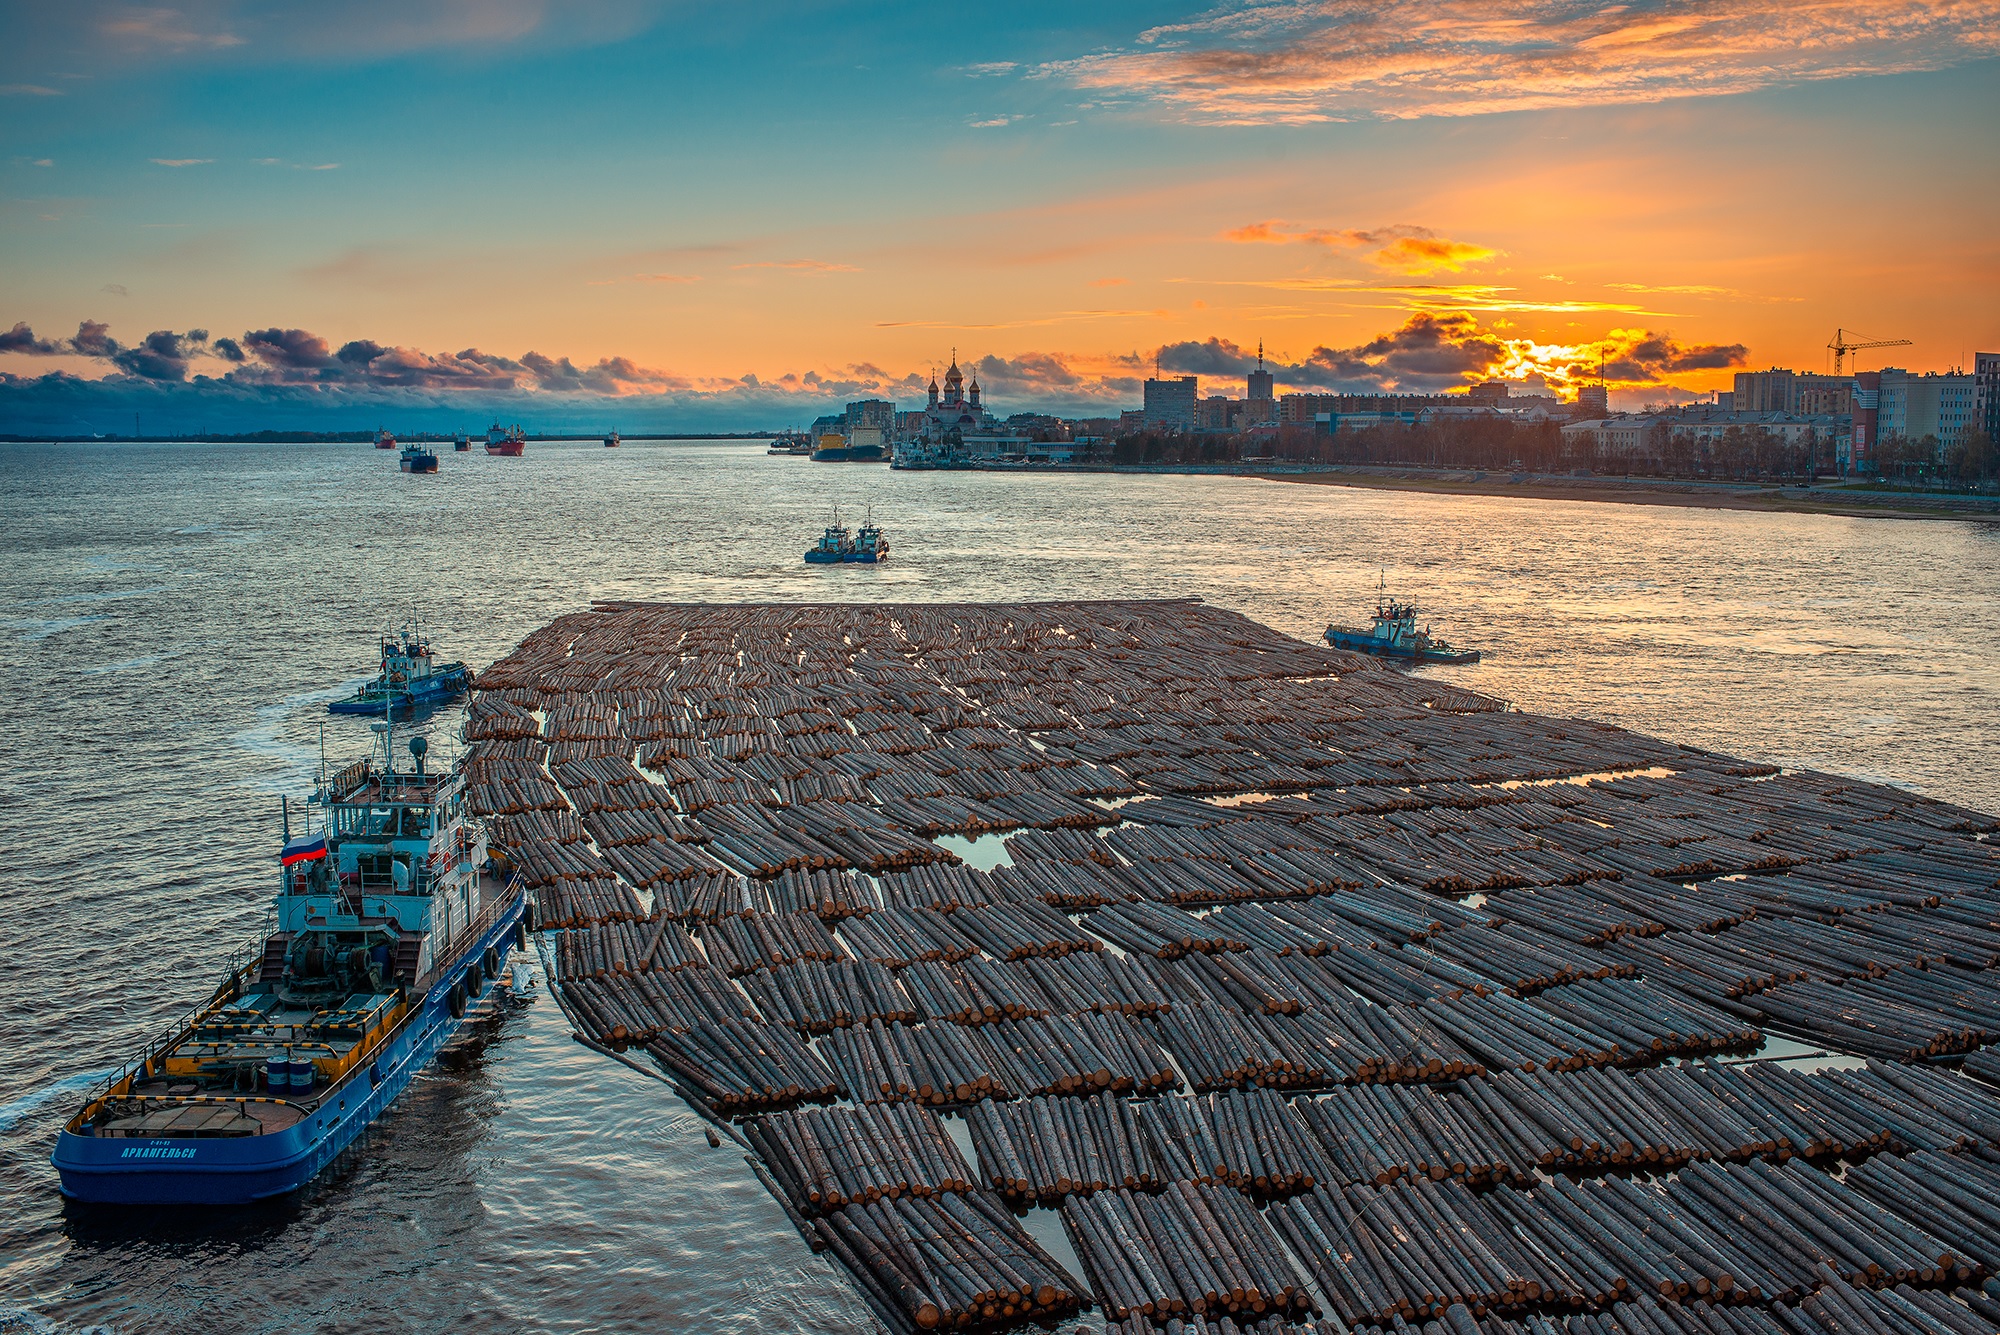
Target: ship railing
x=238 y=972
x=492 y=912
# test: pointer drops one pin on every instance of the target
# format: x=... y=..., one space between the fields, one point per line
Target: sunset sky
x=621 y=212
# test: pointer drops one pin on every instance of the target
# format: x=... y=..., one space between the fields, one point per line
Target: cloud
x=93 y=339
x=1300 y=61
x=182 y=162
x=802 y=266
x=115 y=289
x=28 y=90
x=280 y=377
x=987 y=69
x=647 y=278
x=288 y=349
x=1109 y=282
x=22 y=339
x=1441 y=350
x=1403 y=247
x=164 y=30
x=993 y=124
x=162 y=354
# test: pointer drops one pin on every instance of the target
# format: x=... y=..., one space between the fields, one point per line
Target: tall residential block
x=1171 y=403
x=1930 y=406
x=1986 y=393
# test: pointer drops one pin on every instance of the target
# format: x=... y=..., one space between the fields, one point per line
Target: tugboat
x=390 y=918
x=383 y=440
x=1395 y=635
x=508 y=441
x=409 y=679
x=611 y=441
x=834 y=546
x=416 y=459
x=461 y=442
x=870 y=547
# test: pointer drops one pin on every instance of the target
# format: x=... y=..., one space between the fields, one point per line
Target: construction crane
x=1840 y=347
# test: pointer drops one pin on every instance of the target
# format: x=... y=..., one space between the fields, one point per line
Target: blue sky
x=735 y=214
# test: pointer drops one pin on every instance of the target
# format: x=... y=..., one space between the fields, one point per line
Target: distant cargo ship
x=461 y=442
x=1394 y=634
x=383 y=440
x=508 y=441
x=416 y=459
x=863 y=445
x=611 y=441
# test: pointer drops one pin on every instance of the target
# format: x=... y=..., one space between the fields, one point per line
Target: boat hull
x=1360 y=643
x=823 y=558
x=180 y=1171
x=851 y=454
x=864 y=558
x=510 y=450
x=427 y=464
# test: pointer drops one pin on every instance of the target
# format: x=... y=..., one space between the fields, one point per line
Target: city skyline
x=738 y=224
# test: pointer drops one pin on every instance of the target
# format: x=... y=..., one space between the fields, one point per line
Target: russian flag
x=304 y=848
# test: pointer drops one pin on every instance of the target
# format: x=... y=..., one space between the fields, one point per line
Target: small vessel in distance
x=383 y=440
x=791 y=444
x=834 y=545
x=508 y=440
x=870 y=547
x=863 y=445
x=611 y=440
x=416 y=459
x=390 y=918
x=461 y=442
x=410 y=678
x=1395 y=635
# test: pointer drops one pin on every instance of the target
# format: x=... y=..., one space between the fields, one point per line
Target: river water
x=173 y=619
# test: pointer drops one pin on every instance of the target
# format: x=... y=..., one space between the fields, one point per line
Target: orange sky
x=1195 y=181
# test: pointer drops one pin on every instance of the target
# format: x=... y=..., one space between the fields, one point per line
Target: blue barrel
x=278 y=1076
x=304 y=1073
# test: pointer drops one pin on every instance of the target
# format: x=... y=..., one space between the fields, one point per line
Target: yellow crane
x=1840 y=347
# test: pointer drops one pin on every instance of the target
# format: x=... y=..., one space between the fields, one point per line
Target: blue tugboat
x=1395 y=635
x=416 y=459
x=390 y=919
x=869 y=547
x=835 y=545
x=409 y=680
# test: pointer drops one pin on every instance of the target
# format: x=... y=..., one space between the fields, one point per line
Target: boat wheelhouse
x=390 y=918
x=416 y=459
x=410 y=678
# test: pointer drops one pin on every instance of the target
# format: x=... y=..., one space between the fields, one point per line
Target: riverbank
x=1651 y=491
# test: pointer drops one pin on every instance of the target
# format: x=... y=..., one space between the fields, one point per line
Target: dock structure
x=1308 y=994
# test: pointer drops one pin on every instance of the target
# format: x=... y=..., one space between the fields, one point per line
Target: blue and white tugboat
x=1395 y=635
x=869 y=547
x=410 y=679
x=390 y=919
x=835 y=545
x=416 y=459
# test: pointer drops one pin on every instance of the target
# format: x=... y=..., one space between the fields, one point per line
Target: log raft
x=1311 y=995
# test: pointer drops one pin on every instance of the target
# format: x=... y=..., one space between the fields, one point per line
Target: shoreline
x=1635 y=491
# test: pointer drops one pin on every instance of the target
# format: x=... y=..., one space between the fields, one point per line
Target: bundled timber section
x=1307 y=995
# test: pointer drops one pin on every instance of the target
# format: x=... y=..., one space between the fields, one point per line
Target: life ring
x=457 y=1001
